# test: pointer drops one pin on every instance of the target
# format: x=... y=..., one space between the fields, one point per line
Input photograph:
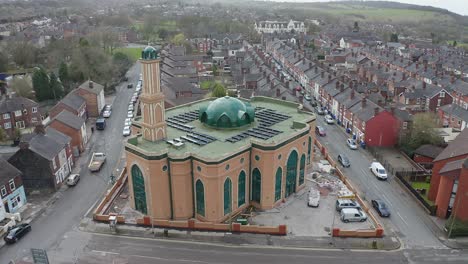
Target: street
x=74 y=203
x=408 y=220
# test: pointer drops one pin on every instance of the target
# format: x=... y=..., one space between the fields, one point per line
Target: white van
x=378 y=170
x=352 y=215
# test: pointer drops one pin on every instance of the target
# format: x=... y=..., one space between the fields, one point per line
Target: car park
x=320 y=131
x=344 y=161
x=351 y=143
x=16 y=233
x=126 y=131
x=329 y=120
x=346 y=203
x=319 y=110
x=378 y=170
x=380 y=207
x=73 y=179
x=352 y=215
x=130 y=114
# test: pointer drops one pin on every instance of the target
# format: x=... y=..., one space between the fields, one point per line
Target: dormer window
x=442 y=94
x=18 y=113
x=34 y=110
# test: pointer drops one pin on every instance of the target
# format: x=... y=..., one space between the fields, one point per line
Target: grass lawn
x=133 y=53
x=422 y=185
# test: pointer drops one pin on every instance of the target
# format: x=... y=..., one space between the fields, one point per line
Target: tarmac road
x=408 y=220
x=50 y=227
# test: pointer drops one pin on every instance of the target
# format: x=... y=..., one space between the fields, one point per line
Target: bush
x=459 y=228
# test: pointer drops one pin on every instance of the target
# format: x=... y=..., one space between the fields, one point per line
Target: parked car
x=106 y=113
x=307 y=97
x=314 y=198
x=130 y=86
x=127 y=123
x=313 y=103
x=378 y=170
x=298 y=88
x=108 y=107
x=380 y=207
x=130 y=114
x=319 y=110
x=126 y=131
x=125 y=78
x=130 y=107
x=344 y=161
x=352 y=215
x=351 y=143
x=346 y=203
x=320 y=131
x=16 y=233
x=329 y=120
x=100 y=123
x=73 y=179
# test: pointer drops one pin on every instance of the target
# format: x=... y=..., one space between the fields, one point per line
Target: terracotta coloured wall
x=182 y=191
x=435 y=178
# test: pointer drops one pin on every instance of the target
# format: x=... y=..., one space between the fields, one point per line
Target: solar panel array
x=198 y=138
x=268 y=117
x=257 y=132
x=185 y=117
x=181 y=121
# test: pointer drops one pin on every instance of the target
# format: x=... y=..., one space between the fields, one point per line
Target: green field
x=423 y=185
x=133 y=53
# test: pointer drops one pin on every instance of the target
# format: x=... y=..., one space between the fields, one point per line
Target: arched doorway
x=256 y=185
x=241 y=189
x=291 y=174
x=302 y=170
x=200 y=194
x=227 y=196
x=278 y=177
x=139 y=191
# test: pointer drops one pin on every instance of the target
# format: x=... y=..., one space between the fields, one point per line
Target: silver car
x=351 y=143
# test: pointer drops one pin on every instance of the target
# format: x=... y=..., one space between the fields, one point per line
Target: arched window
x=291 y=174
x=139 y=192
x=256 y=185
x=309 y=149
x=227 y=196
x=302 y=170
x=200 y=194
x=241 y=189
x=279 y=175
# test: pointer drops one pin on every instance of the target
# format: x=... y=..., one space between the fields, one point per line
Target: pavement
x=57 y=218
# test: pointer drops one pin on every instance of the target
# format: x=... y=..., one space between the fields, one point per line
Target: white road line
x=404 y=221
x=105 y=252
x=387 y=200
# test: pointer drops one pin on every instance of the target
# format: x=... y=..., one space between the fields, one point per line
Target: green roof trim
x=149 y=53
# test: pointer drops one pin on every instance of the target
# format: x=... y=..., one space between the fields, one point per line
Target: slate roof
x=451 y=166
x=16 y=103
x=73 y=101
x=7 y=172
x=70 y=119
x=455 y=110
x=403 y=115
x=50 y=144
x=428 y=150
x=458 y=147
x=365 y=113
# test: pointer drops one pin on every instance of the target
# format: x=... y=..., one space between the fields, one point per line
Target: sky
x=456 y=6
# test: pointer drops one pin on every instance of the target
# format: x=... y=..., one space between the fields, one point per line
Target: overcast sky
x=456 y=6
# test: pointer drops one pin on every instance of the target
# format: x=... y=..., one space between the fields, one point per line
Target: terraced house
x=211 y=159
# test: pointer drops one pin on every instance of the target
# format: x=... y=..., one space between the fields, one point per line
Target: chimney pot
x=90 y=84
x=352 y=94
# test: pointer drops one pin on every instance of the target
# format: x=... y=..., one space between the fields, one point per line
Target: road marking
x=387 y=200
x=404 y=221
x=105 y=252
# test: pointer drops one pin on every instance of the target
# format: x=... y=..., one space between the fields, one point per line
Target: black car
x=130 y=85
x=381 y=208
x=16 y=233
x=125 y=78
x=344 y=160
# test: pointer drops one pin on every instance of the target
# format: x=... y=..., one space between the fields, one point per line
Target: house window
x=418 y=101
x=53 y=164
x=439 y=101
x=34 y=109
x=6 y=116
x=18 y=113
x=34 y=119
x=442 y=94
x=405 y=125
x=15 y=201
x=4 y=191
x=12 y=184
x=20 y=124
x=459 y=122
x=7 y=125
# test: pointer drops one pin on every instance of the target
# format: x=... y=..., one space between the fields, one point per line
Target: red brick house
x=453 y=116
x=19 y=112
x=443 y=189
x=72 y=126
x=424 y=97
x=72 y=103
x=454 y=174
x=12 y=192
x=426 y=154
x=93 y=93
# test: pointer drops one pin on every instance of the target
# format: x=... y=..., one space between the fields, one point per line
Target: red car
x=298 y=88
x=320 y=131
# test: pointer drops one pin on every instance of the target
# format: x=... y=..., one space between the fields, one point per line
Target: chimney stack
x=452 y=79
x=341 y=87
x=316 y=69
x=337 y=84
x=40 y=129
x=310 y=65
x=392 y=110
x=272 y=85
x=376 y=111
x=424 y=85
x=24 y=145
x=404 y=76
x=264 y=74
x=322 y=74
x=303 y=61
x=363 y=102
x=329 y=77
x=90 y=84
x=287 y=84
x=277 y=92
x=352 y=93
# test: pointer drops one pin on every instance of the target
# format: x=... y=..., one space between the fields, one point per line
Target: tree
x=3 y=134
x=23 y=53
x=356 y=26
x=214 y=69
x=41 y=84
x=422 y=132
x=55 y=87
x=454 y=43
x=163 y=33
x=218 y=91
x=178 y=39
x=122 y=62
x=3 y=62
x=64 y=77
x=394 y=37
x=22 y=87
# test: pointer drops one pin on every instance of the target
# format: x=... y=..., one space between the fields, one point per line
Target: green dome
x=149 y=53
x=227 y=112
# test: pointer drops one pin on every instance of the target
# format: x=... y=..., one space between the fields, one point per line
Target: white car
x=128 y=120
x=128 y=123
x=378 y=170
x=106 y=113
x=130 y=107
x=329 y=120
x=126 y=131
x=351 y=143
x=314 y=198
x=73 y=179
x=308 y=98
x=130 y=114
